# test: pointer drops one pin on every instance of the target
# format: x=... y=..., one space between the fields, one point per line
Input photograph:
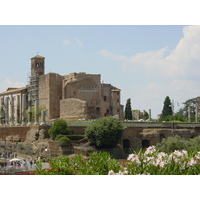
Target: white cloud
x=183 y=61
x=6 y=83
x=66 y=42
x=175 y=75
x=78 y=41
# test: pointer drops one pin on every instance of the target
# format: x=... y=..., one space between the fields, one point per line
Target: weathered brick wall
x=73 y=109
x=11 y=131
x=137 y=135
x=21 y=131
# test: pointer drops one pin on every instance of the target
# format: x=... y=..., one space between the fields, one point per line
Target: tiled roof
x=13 y=91
x=37 y=56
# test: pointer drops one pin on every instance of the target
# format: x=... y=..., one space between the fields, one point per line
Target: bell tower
x=37 y=69
x=37 y=65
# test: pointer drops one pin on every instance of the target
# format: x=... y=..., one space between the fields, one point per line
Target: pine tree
x=167 y=108
x=128 y=110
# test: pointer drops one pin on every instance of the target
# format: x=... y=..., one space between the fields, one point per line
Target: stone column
x=23 y=110
x=196 y=114
x=30 y=109
x=43 y=115
x=189 y=120
x=2 y=113
x=12 y=111
x=6 y=111
x=36 y=112
x=150 y=114
x=18 y=111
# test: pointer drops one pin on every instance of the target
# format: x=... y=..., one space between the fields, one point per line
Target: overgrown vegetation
x=177 y=143
x=104 y=132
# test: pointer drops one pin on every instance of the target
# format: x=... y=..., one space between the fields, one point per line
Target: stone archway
x=145 y=144
x=126 y=145
x=161 y=137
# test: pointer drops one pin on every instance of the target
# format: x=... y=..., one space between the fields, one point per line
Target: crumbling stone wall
x=73 y=109
x=136 y=136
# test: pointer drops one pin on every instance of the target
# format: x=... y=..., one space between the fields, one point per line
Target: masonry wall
x=73 y=109
x=21 y=131
x=50 y=94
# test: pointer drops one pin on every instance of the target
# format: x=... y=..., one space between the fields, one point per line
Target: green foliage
x=58 y=137
x=144 y=115
x=96 y=164
x=59 y=127
x=194 y=144
x=128 y=110
x=150 y=162
x=33 y=112
x=177 y=143
x=172 y=143
x=64 y=141
x=104 y=132
x=167 y=108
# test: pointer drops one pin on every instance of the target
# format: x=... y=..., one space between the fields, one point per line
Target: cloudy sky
x=147 y=63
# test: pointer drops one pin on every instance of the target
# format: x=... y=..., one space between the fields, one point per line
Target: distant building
x=70 y=97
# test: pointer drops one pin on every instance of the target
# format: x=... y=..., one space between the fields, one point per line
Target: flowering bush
x=150 y=162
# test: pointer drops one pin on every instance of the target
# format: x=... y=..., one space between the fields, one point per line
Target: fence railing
x=144 y=124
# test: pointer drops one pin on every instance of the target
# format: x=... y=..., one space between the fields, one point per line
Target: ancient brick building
x=70 y=97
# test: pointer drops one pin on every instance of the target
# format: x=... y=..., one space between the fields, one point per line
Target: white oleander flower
x=150 y=150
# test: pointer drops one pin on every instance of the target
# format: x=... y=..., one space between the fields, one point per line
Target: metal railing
x=144 y=124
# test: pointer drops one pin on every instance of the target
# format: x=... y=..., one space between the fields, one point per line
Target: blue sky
x=147 y=63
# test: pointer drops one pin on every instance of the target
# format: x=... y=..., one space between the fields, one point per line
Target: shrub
x=172 y=143
x=58 y=137
x=150 y=162
x=98 y=163
x=64 y=141
x=104 y=132
x=194 y=144
x=59 y=127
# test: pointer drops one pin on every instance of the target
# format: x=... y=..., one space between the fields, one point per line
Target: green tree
x=104 y=132
x=167 y=108
x=59 y=127
x=128 y=110
x=146 y=115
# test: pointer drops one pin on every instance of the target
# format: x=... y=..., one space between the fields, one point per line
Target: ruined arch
x=126 y=145
x=145 y=144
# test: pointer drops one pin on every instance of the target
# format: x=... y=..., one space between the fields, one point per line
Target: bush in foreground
x=150 y=162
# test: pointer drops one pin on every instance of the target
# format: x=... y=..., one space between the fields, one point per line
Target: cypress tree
x=128 y=110
x=167 y=108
